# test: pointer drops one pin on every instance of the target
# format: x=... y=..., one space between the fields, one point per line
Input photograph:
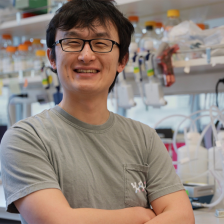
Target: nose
x=86 y=55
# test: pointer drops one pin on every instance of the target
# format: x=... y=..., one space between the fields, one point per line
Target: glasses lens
x=101 y=45
x=72 y=44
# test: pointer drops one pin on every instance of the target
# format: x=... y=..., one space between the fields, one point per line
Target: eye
x=101 y=43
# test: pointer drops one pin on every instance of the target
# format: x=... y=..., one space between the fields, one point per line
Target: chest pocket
x=135 y=185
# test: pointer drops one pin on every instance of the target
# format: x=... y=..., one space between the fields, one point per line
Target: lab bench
x=202 y=216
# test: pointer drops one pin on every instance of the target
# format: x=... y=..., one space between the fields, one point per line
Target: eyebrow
x=78 y=35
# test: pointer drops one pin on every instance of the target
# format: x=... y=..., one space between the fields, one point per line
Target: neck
x=90 y=110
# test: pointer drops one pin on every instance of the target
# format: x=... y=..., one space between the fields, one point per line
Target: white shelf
x=33 y=26
x=199 y=62
x=199 y=11
x=196 y=10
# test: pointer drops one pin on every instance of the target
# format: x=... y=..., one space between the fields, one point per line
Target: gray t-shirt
x=119 y=164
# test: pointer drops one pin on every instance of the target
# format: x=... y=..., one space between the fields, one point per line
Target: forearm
x=135 y=215
x=174 y=217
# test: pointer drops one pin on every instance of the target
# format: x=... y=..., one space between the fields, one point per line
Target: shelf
x=32 y=27
x=199 y=11
x=199 y=62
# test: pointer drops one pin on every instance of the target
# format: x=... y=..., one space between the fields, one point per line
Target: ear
x=122 y=64
x=51 y=60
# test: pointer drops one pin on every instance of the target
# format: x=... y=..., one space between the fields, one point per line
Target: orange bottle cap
x=6 y=36
x=23 y=47
x=11 y=49
x=159 y=24
x=27 y=42
x=133 y=18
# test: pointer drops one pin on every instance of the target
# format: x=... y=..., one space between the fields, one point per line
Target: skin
x=85 y=97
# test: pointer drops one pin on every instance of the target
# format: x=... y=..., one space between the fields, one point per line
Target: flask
x=194 y=168
x=138 y=31
x=21 y=57
x=8 y=60
x=149 y=36
x=173 y=19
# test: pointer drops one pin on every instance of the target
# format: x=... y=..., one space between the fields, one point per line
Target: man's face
x=102 y=66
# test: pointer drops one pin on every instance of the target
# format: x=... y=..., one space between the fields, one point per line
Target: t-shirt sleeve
x=162 y=178
x=25 y=166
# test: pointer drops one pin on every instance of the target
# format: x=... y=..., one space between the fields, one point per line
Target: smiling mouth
x=86 y=71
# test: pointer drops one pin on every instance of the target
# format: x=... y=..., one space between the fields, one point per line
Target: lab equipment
x=188 y=158
x=150 y=35
x=8 y=60
x=138 y=31
x=173 y=19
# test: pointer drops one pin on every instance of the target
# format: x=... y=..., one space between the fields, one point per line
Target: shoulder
x=32 y=127
x=130 y=125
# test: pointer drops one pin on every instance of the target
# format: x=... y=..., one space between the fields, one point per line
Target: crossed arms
x=49 y=206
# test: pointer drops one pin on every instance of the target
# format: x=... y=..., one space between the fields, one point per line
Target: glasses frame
x=84 y=42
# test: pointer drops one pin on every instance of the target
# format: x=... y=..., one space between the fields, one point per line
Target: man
x=78 y=162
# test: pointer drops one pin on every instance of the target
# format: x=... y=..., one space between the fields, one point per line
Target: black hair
x=83 y=14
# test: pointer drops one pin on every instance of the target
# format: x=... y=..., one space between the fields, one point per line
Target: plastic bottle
x=39 y=61
x=173 y=19
x=30 y=54
x=6 y=40
x=188 y=170
x=138 y=31
x=36 y=45
x=21 y=58
x=8 y=60
x=149 y=36
x=159 y=29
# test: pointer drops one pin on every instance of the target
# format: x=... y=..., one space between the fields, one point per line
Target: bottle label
x=150 y=72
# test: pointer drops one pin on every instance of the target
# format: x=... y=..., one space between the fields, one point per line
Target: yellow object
x=173 y=13
x=150 y=72
x=47 y=81
x=136 y=70
x=1 y=85
x=36 y=41
x=150 y=23
x=40 y=53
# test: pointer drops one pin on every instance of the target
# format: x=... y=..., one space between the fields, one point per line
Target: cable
x=216 y=90
x=24 y=95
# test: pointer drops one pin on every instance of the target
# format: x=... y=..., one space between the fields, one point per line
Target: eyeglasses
x=77 y=45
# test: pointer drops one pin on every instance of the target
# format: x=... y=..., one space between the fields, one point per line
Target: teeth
x=86 y=71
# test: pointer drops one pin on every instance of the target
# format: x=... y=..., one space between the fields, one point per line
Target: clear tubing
x=175 y=133
x=174 y=115
x=221 y=196
x=188 y=150
x=212 y=121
